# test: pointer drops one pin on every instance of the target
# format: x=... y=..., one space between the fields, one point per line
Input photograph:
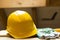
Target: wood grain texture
x=8 y=38
x=3 y=19
x=34 y=13
x=54 y=2
x=21 y=3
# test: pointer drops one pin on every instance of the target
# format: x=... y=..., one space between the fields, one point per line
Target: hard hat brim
x=25 y=35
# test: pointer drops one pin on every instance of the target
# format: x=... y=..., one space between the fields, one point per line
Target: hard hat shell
x=57 y=29
x=21 y=25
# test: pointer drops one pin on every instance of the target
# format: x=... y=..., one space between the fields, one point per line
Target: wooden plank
x=3 y=19
x=54 y=2
x=28 y=3
x=8 y=38
x=34 y=13
x=22 y=3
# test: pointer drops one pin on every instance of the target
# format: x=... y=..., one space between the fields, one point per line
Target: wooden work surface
x=8 y=38
x=4 y=36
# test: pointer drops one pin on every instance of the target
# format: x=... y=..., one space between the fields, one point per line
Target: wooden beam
x=3 y=19
x=34 y=13
x=22 y=3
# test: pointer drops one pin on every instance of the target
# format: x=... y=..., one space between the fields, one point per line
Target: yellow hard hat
x=21 y=25
x=57 y=29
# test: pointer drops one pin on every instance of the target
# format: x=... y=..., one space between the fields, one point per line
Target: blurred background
x=45 y=13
